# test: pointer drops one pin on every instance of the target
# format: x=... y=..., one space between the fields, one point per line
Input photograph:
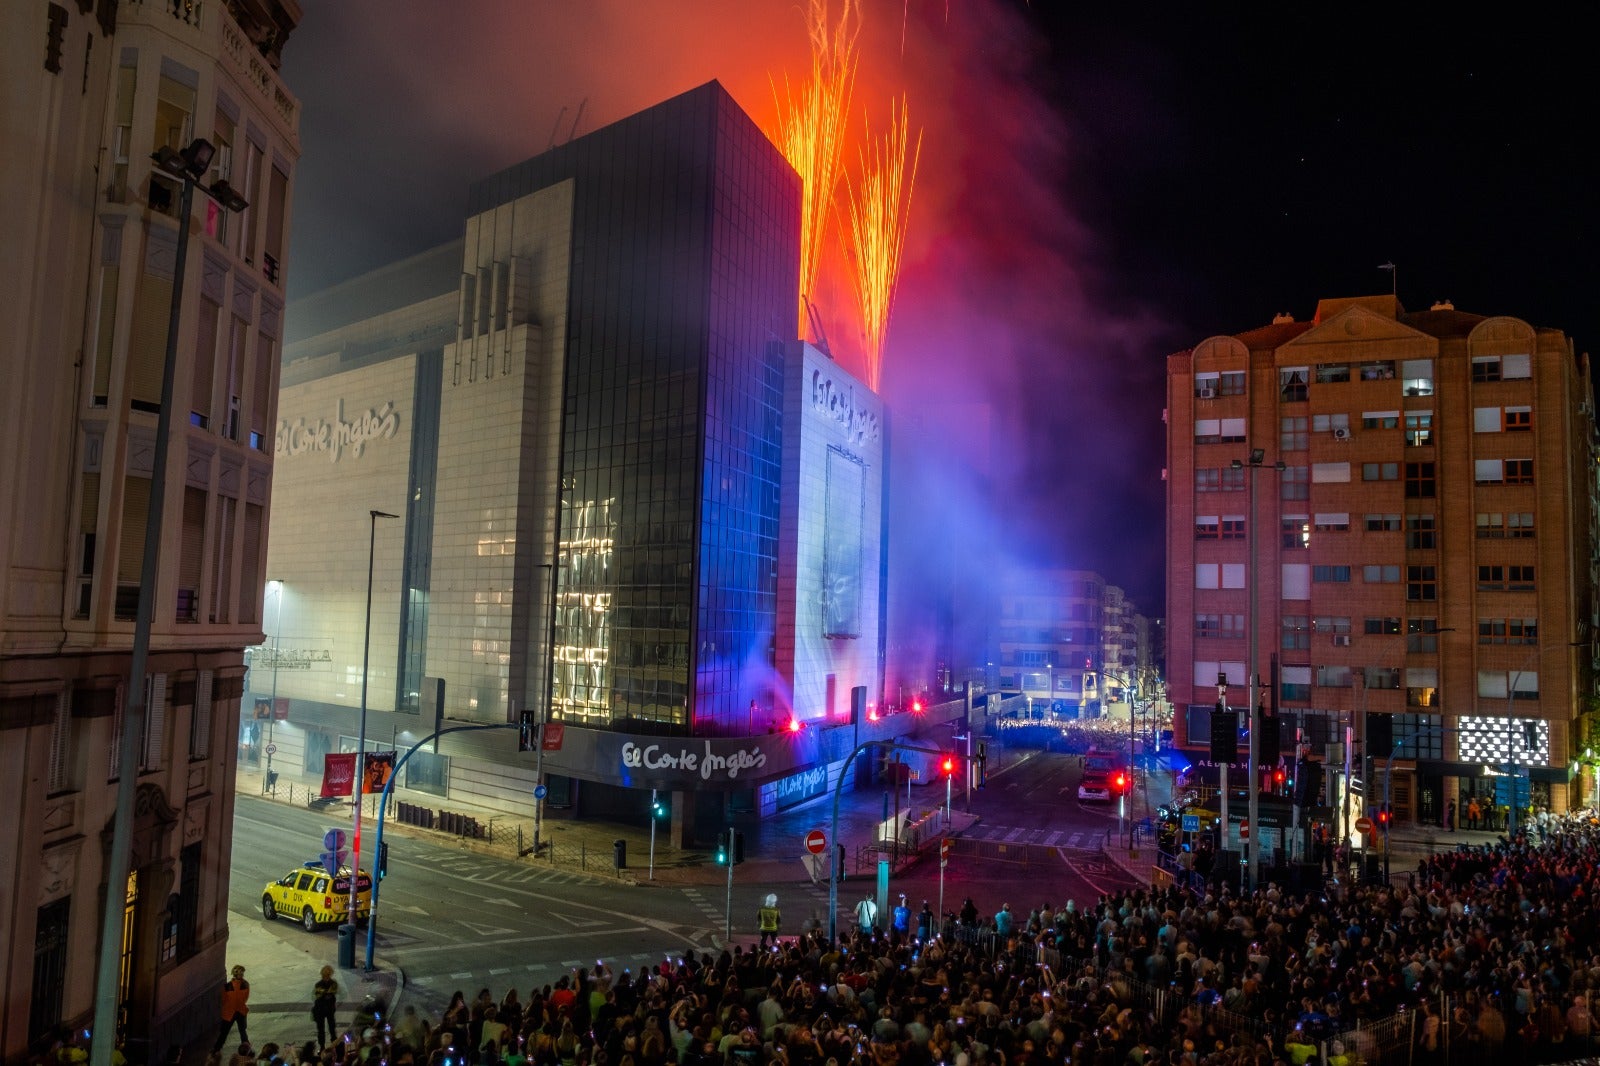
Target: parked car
x=311 y=894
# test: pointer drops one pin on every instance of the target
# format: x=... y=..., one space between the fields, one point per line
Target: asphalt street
x=455 y=917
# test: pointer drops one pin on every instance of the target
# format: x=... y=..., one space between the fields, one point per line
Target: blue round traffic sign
x=540 y=792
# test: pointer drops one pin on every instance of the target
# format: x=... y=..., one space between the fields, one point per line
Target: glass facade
x=682 y=287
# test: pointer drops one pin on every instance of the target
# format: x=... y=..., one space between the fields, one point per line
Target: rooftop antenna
x=816 y=328
x=1394 y=276
x=556 y=128
x=577 y=118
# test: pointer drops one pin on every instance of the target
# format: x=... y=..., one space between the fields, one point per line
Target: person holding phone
x=235 y=1008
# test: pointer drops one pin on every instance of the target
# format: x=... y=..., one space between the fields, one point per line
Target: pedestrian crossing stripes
x=1085 y=839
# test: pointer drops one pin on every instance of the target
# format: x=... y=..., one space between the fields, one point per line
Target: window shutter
x=155 y=721
x=147 y=345
x=60 y=744
x=135 y=512
x=200 y=734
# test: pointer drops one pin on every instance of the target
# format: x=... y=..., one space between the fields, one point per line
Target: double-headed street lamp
x=1254 y=464
x=188 y=168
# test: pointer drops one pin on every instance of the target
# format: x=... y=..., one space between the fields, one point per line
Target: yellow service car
x=307 y=892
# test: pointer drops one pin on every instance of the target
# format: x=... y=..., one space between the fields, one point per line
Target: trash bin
x=619 y=853
x=347 y=947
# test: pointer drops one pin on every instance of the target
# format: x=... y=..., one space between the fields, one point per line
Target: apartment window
x=1518 y=419
x=1422 y=584
x=1416 y=377
x=1522 y=684
x=1422 y=686
x=1339 y=423
x=1508 y=631
x=1233 y=479
x=1519 y=578
x=1420 y=532
x=1383 y=523
x=1295 y=581
x=1207 y=626
x=1231 y=383
x=1208 y=431
x=1495 y=525
x=1219 y=575
x=1377 y=370
x=1519 y=471
x=1485 y=368
x=1516 y=367
x=1380 y=420
x=1422 y=635
x=1488 y=471
x=1505 y=579
x=1208 y=479
x=1296 y=531
x=1330 y=473
x=1384 y=677
x=1295 y=483
x=1233 y=527
x=1292 y=382
x=1387 y=627
x=1486 y=420
x=1296 y=633
x=1333 y=677
x=1205 y=386
x=1295 y=683
x=1330 y=373
x=1374 y=574
x=1333 y=523
x=1294 y=434
x=1325 y=574
x=1380 y=471
x=1419 y=481
x=1336 y=625
x=1419 y=429
x=1207 y=527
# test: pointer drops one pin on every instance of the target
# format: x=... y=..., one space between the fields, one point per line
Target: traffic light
x=1120 y=782
x=528 y=732
x=736 y=848
x=383 y=859
x=1270 y=742
x=658 y=807
x=916 y=705
x=1278 y=780
x=948 y=766
x=1224 y=735
x=722 y=846
x=1383 y=817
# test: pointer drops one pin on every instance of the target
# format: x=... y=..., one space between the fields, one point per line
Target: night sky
x=1098 y=189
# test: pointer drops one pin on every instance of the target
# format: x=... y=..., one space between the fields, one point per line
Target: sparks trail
x=811 y=129
x=880 y=206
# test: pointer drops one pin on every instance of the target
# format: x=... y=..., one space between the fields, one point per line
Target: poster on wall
x=379 y=765
x=338 y=771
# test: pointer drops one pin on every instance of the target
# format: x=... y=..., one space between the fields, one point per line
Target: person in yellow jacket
x=235 y=1008
x=768 y=918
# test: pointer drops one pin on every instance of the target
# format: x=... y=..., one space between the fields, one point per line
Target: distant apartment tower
x=1424 y=571
x=1053 y=639
x=90 y=237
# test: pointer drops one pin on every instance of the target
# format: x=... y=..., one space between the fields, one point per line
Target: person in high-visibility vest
x=768 y=919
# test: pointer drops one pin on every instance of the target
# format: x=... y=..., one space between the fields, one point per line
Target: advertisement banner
x=379 y=765
x=338 y=771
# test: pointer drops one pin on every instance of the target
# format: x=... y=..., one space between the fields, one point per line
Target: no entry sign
x=816 y=842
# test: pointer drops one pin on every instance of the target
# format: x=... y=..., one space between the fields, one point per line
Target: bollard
x=619 y=854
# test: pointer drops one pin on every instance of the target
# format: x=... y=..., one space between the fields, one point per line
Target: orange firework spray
x=880 y=204
x=811 y=129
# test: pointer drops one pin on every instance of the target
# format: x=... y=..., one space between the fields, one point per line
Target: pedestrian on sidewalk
x=925 y=922
x=902 y=917
x=1450 y=816
x=1474 y=812
x=324 y=1004
x=768 y=918
x=235 y=1008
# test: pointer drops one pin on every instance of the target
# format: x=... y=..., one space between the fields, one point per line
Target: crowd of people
x=1482 y=951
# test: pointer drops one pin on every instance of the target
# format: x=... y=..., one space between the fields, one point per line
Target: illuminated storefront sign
x=300 y=437
x=691 y=763
x=838 y=402
x=797 y=788
x=701 y=760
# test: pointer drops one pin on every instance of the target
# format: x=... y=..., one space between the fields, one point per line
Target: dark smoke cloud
x=1036 y=413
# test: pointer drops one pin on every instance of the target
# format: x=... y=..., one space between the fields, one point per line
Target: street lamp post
x=1252 y=849
x=359 y=782
x=277 y=646
x=188 y=167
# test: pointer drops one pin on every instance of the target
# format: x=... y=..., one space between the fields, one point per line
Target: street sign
x=334 y=861
x=816 y=842
x=1363 y=824
x=1191 y=823
x=945 y=846
x=540 y=792
x=1244 y=829
x=272 y=749
x=334 y=839
x=1511 y=789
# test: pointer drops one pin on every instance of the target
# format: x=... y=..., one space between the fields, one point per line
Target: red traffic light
x=1277 y=777
x=949 y=765
x=1122 y=781
x=916 y=705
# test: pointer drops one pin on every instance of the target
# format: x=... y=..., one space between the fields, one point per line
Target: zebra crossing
x=488 y=869
x=1079 y=840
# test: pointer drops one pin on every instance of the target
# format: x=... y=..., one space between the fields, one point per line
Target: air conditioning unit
x=1341 y=432
x=1207 y=392
x=1341 y=640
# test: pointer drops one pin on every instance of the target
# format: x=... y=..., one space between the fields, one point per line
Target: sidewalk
x=281 y=971
x=773 y=847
